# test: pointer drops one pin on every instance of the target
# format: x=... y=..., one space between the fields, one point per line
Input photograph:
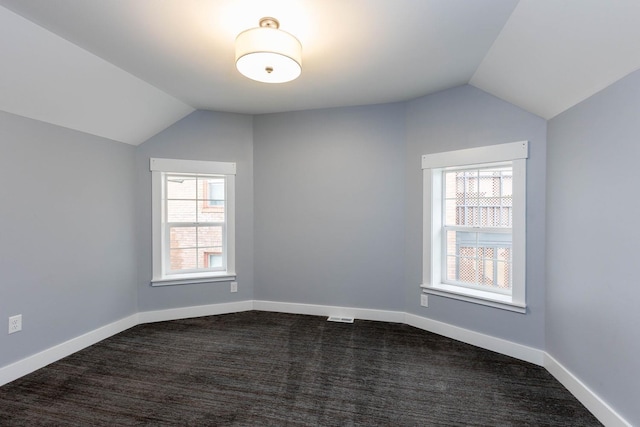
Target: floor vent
x=340 y=319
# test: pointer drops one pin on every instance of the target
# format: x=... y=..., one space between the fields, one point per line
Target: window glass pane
x=183 y=259
x=451 y=273
x=211 y=204
x=450 y=185
x=487 y=214
x=503 y=275
x=204 y=256
x=451 y=212
x=214 y=191
x=478 y=259
x=210 y=237
x=479 y=197
x=486 y=273
x=467 y=251
x=465 y=239
x=504 y=253
x=214 y=260
x=467 y=270
x=182 y=237
x=486 y=252
x=210 y=257
x=506 y=213
x=507 y=183
x=451 y=243
x=470 y=186
x=181 y=211
x=191 y=246
x=180 y=187
x=489 y=182
x=461 y=212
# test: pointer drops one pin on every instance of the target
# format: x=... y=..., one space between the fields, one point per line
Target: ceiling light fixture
x=268 y=54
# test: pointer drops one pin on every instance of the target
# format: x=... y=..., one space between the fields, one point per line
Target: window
x=474 y=225
x=193 y=221
x=477 y=206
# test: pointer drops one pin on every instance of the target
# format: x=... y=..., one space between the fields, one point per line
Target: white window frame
x=433 y=166
x=160 y=167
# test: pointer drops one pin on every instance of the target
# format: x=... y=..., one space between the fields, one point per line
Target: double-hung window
x=193 y=221
x=474 y=225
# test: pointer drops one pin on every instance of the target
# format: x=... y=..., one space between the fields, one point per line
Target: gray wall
x=337 y=221
x=466 y=117
x=329 y=207
x=593 y=206
x=67 y=251
x=202 y=135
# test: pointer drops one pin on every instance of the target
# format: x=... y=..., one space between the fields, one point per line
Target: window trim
x=433 y=165
x=160 y=166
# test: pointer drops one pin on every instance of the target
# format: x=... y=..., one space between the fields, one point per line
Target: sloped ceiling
x=552 y=54
x=126 y=69
x=46 y=78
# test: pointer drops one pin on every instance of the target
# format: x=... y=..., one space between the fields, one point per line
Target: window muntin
x=193 y=221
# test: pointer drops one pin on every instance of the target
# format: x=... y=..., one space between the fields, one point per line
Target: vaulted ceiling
x=127 y=69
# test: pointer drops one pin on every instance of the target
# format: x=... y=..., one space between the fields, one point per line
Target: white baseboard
x=598 y=407
x=194 y=311
x=40 y=360
x=519 y=351
x=329 y=310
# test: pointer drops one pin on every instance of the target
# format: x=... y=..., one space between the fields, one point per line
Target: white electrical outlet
x=15 y=323
x=424 y=300
x=234 y=286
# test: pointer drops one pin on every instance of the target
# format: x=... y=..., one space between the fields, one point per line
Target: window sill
x=503 y=302
x=193 y=279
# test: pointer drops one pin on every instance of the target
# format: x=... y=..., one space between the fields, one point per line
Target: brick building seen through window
x=195 y=215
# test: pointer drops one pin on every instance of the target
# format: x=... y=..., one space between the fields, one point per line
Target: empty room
x=319 y=212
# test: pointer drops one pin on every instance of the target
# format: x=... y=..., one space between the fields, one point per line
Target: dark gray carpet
x=271 y=369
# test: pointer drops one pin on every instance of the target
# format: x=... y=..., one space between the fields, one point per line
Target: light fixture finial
x=269 y=22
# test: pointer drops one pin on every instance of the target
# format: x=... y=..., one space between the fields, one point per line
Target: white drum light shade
x=267 y=54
